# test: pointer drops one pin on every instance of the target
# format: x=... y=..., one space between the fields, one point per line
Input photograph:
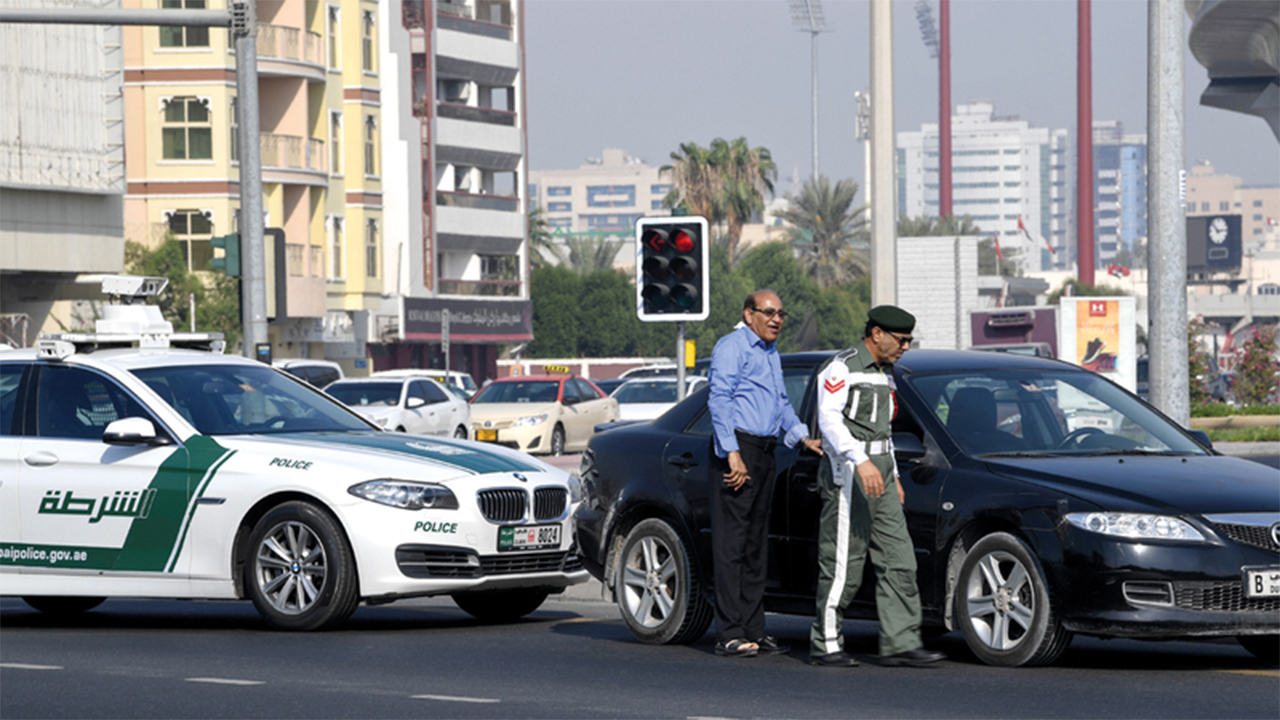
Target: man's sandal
x=737 y=647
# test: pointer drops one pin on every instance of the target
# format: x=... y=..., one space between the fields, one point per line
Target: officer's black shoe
x=913 y=658
x=835 y=659
x=769 y=645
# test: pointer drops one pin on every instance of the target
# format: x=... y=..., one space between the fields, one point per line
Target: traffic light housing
x=672 y=274
x=230 y=261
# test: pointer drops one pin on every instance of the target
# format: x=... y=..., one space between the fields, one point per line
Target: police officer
x=862 y=498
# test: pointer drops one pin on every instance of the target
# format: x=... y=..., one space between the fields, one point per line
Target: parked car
x=540 y=414
x=608 y=386
x=1043 y=500
x=163 y=472
x=644 y=399
x=452 y=379
x=319 y=373
x=663 y=370
x=417 y=405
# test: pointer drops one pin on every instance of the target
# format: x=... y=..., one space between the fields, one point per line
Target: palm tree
x=695 y=180
x=587 y=253
x=925 y=226
x=541 y=244
x=746 y=174
x=827 y=230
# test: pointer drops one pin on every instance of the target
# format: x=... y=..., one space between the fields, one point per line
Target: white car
x=644 y=399
x=161 y=472
x=459 y=382
x=416 y=405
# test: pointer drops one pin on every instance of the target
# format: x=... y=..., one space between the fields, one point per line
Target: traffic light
x=230 y=261
x=671 y=269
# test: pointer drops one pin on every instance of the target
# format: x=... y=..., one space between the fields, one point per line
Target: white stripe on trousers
x=830 y=630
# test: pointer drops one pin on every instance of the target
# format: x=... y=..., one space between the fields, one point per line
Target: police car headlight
x=406 y=495
x=531 y=420
x=575 y=489
x=1136 y=526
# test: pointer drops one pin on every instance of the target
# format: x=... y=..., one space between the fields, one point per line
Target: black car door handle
x=684 y=461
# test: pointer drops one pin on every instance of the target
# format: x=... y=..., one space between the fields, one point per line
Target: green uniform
x=856 y=406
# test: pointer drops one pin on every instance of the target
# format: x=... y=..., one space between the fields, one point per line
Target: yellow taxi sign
x=549 y=369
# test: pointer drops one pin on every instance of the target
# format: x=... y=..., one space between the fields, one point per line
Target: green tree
x=1198 y=363
x=1079 y=289
x=555 y=290
x=592 y=252
x=725 y=183
x=1257 y=371
x=695 y=181
x=825 y=227
x=925 y=226
x=217 y=297
x=542 y=247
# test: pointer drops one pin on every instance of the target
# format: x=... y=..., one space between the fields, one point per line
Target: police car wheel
x=1003 y=605
x=300 y=572
x=501 y=605
x=657 y=588
x=62 y=605
x=557 y=440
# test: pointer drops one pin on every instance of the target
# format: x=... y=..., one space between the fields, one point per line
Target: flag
x=1271 y=222
x=1119 y=271
x=1023 y=228
x=999 y=255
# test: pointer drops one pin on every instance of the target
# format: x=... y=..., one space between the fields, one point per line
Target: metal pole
x=114 y=16
x=944 y=109
x=191 y=298
x=1084 y=146
x=1167 y=229
x=884 y=288
x=680 y=359
x=813 y=51
x=252 y=254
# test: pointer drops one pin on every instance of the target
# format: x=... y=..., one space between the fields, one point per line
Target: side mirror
x=132 y=431
x=415 y=402
x=907 y=447
x=1201 y=437
x=570 y=401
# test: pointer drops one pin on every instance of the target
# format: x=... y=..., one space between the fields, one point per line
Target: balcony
x=292 y=152
x=475 y=114
x=480 y=288
x=280 y=42
x=458 y=17
x=477 y=201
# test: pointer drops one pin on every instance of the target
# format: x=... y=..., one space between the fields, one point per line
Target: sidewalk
x=1248 y=449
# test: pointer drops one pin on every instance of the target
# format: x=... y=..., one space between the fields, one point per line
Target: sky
x=647 y=75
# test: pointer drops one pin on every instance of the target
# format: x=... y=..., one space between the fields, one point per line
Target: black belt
x=767 y=444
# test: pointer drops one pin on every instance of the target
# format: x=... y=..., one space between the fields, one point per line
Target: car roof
x=519 y=378
x=923 y=361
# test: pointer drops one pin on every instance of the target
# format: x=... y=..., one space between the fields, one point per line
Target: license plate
x=487 y=435
x=1262 y=582
x=531 y=537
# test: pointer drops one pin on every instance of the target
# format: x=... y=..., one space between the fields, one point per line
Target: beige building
x=1209 y=193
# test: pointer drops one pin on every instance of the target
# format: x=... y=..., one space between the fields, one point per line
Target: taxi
x=138 y=462
x=541 y=414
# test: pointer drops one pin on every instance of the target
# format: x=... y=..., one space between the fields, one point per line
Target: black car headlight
x=1136 y=526
x=575 y=489
x=406 y=494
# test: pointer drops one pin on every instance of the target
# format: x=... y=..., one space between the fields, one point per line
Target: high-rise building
x=1002 y=170
x=453 y=108
x=1119 y=192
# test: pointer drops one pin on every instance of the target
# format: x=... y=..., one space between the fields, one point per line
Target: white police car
x=132 y=467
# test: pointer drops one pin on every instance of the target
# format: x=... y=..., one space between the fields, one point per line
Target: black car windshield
x=519 y=391
x=358 y=394
x=246 y=399
x=1012 y=412
x=647 y=391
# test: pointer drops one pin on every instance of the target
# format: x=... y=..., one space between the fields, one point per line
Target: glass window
x=368 y=50
x=193 y=230
x=10 y=377
x=585 y=391
x=559 y=207
x=187 y=132
x=362 y=394
x=519 y=391
x=370 y=145
x=371 y=248
x=79 y=404
x=235 y=131
x=184 y=36
x=433 y=393
x=335 y=143
x=417 y=389
x=559 y=191
x=335 y=37
x=1257 y=203
x=335 y=249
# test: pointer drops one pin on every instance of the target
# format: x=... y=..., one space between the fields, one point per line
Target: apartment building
x=453 y=109
x=61 y=173
x=1002 y=170
x=319 y=100
x=1119 y=192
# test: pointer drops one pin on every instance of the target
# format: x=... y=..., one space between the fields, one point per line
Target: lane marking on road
x=27 y=666
x=1264 y=673
x=226 y=681
x=454 y=698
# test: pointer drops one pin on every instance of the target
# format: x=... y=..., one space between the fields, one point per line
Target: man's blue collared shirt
x=747 y=392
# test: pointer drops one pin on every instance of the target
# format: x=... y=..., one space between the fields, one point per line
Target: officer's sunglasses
x=771 y=313
x=902 y=339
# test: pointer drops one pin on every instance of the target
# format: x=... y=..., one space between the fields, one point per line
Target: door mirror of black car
x=1201 y=437
x=907 y=447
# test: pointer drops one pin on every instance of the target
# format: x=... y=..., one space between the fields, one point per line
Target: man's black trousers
x=740 y=538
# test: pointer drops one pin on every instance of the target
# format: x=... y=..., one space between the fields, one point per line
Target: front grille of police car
x=431 y=562
x=504 y=505
x=549 y=503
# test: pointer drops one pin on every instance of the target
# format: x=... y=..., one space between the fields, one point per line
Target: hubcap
x=291 y=567
x=1001 y=600
x=649 y=585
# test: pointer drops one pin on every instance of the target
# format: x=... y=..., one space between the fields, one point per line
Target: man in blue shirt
x=749 y=407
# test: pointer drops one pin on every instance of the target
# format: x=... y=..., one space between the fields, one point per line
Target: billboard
x=1100 y=334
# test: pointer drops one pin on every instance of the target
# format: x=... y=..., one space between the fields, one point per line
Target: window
x=611 y=195
x=1257 y=218
x=335 y=38
x=193 y=229
x=655 y=205
x=235 y=131
x=371 y=248
x=498 y=267
x=1257 y=203
x=559 y=207
x=367 y=46
x=660 y=189
x=10 y=377
x=559 y=191
x=335 y=143
x=1204 y=207
x=184 y=36
x=335 y=248
x=79 y=404
x=1224 y=205
x=370 y=145
x=187 y=133
x=564 y=223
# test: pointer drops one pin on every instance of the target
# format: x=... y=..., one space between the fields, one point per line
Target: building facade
x=1119 y=193
x=1002 y=170
x=1211 y=193
x=318 y=87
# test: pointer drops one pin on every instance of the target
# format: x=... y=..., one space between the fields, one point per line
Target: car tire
x=1004 y=607
x=1264 y=647
x=62 y=605
x=557 y=440
x=300 y=572
x=401 y=429
x=501 y=605
x=657 y=588
x=461 y=432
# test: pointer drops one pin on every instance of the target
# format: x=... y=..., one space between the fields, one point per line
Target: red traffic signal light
x=671 y=269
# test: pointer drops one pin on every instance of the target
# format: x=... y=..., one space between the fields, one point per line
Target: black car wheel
x=1264 y=647
x=58 y=605
x=657 y=589
x=461 y=432
x=557 y=440
x=501 y=605
x=1003 y=605
x=301 y=574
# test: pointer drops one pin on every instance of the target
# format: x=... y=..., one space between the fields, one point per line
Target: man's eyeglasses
x=902 y=339
x=771 y=313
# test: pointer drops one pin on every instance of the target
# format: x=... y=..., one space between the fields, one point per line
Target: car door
x=417 y=416
x=85 y=504
x=575 y=416
x=11 y=406
x=442 y=414
x=597 y=405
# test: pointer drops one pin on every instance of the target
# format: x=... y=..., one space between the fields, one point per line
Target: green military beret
x=891 y=318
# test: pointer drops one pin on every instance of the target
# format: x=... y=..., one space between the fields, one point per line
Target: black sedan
x=1043 y=501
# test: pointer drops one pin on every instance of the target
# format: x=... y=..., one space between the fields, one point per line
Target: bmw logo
x=524 y=479
x=295 y=568
x=1275 y=534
